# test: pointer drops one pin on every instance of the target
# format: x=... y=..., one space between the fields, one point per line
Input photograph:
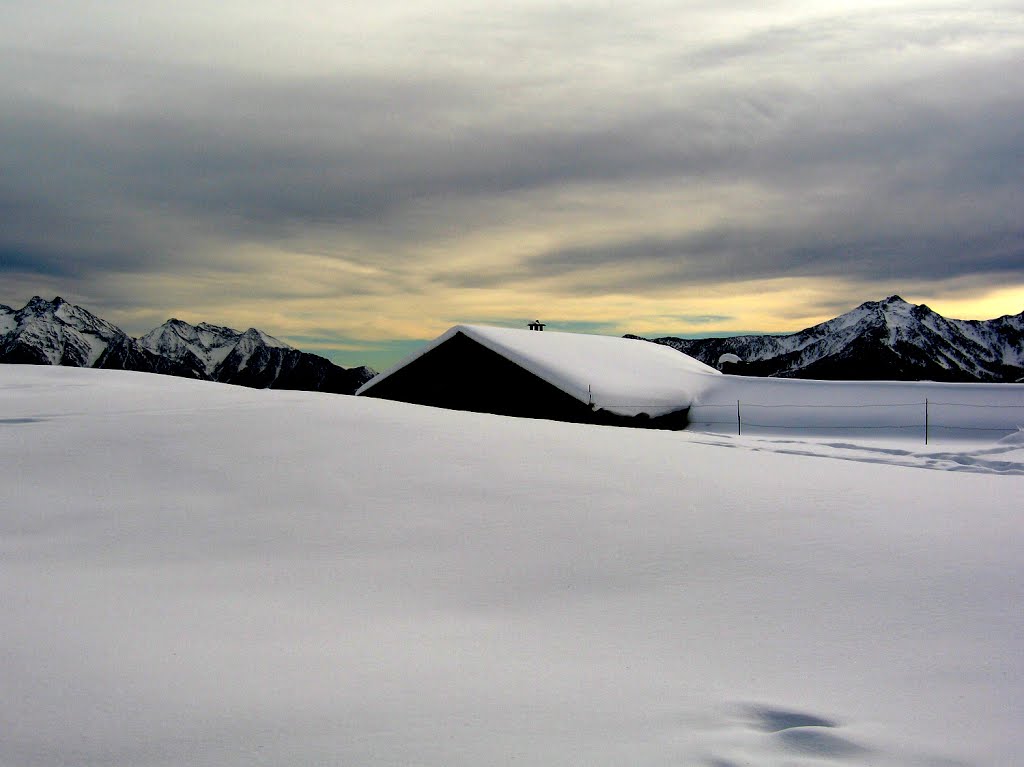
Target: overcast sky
x=352 y=177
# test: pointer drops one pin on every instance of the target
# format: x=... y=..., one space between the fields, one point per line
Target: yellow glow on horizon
x=309 y=308
x=986 y=306
x=333 y=293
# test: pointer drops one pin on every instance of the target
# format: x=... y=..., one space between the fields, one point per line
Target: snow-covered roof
x=621 y=375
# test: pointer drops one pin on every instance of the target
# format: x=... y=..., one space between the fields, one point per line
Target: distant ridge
x=59 y=333
x=879 y=340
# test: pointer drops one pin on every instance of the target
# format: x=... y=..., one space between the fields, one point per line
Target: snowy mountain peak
x=893 y=306
x=60 y=333
x=261 y=338
x=218 y=330
x=206 y=346
x=887 y=339
x=39 y=305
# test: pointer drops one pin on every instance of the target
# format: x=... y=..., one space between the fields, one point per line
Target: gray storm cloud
x=880 y=145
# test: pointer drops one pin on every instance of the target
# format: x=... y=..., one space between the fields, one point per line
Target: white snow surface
x=202 y=574
x=621 y=375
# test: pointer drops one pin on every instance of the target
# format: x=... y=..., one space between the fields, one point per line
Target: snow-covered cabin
x=559 y=376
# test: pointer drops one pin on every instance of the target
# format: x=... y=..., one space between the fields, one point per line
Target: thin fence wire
x=830 y=407
x=970 y=404
x=702 y=422
x=973 y=428
x=880 y=404
x=831 y=426
x=732 y=405
x=928 y=426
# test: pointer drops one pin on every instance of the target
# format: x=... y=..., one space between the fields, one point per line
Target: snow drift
x=210 y=575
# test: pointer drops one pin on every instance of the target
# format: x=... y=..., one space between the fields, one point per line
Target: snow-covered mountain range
x=59 y=333
x=879 y=340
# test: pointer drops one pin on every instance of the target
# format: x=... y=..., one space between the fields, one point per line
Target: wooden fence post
x=926 y=420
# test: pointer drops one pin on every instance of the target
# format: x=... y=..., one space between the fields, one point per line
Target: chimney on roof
x=536 y=325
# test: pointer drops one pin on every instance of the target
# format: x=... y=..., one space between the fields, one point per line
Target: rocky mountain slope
x=879 y=340
x=59 y=333
x=252 y=358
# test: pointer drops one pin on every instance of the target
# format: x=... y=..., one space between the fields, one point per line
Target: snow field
x=201 y=574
